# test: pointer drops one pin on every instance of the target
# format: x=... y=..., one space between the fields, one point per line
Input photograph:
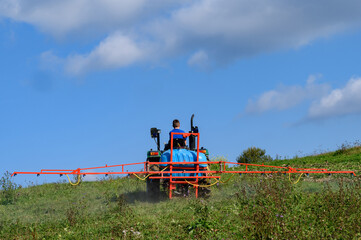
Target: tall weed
x=7 y=189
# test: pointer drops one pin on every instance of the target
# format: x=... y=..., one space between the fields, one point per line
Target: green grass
x=347 y=159
x=247 y=207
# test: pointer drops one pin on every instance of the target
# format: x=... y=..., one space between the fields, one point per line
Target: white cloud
x=326 y=103
x=229 y=30
x=286 y=97
x=200 y=60
x=213 y=31
x=339 y=102
x=61 y=17
x=115 y=51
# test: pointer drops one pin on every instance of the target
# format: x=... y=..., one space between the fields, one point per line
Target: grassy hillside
x=247 y=207
x=342 y=159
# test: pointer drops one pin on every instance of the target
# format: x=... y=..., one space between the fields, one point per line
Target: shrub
x=8 y=189
x=254 y=155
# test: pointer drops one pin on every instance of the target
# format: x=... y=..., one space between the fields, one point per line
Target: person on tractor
x=178 y=140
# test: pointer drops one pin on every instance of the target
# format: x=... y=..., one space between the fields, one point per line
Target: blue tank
x=183 y=155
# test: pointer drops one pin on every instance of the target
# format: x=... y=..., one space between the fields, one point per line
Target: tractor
x=179 y=182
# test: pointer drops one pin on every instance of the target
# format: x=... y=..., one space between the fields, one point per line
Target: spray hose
x=74 y=184
x=289 y=178
x=228 y=178
x=143 y=179
x=205 y=186
x=210 y=185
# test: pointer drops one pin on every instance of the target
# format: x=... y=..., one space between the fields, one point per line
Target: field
x=247 y=207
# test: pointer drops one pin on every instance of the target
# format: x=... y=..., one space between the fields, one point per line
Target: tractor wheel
x=153 y=189
x=204 y=191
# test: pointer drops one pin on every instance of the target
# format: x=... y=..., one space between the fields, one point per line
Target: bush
x=8 y=189
x=254 y=155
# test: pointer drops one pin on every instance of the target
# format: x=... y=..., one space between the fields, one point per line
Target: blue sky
x=82 y=83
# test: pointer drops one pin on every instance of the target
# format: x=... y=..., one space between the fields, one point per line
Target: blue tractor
x=160 y=183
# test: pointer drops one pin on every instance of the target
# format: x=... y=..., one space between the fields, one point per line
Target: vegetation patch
x=247 y=207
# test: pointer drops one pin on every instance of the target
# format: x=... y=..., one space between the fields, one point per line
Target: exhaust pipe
x=192 y=139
